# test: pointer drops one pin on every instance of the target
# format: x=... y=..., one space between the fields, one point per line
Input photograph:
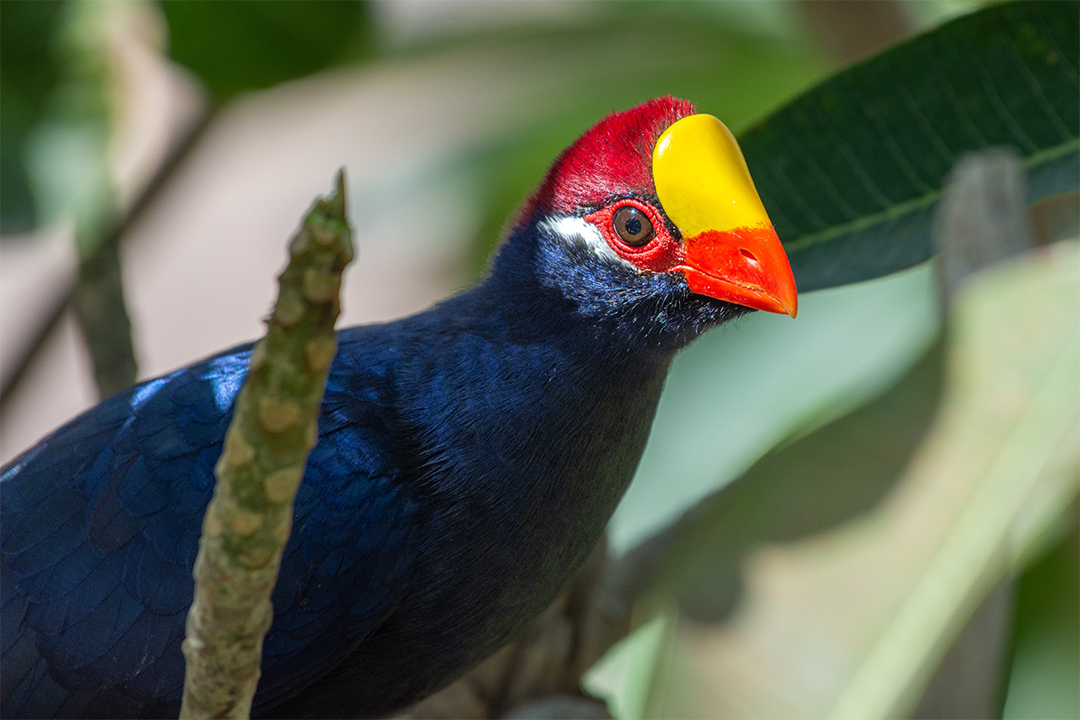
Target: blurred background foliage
x=823 y=523
x=238 y=46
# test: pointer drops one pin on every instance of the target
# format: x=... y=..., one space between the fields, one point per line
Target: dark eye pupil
x=632 y=226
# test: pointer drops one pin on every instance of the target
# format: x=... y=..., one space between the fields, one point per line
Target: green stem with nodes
x=273 y=430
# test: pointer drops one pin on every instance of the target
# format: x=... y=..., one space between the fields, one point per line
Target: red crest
x=614 y=158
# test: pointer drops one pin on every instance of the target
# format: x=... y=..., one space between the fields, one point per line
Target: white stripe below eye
x=578 y=231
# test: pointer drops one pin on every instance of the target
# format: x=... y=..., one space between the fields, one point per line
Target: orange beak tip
x=746 y=266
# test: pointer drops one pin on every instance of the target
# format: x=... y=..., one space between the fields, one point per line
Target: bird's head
x=654 y=208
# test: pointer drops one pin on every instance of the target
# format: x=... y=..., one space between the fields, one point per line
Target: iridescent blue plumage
x=100 y=526
x=468 y=460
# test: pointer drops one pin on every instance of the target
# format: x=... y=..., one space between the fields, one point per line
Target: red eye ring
x=659 y=253
x=652 y=225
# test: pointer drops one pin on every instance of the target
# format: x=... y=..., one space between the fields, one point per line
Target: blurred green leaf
x=1008 y=433
x=734 y=394
x=235 y=45
x=67 y=151
x=851 y=622
x=850 y=171
x=1045 y=678
x=624 y=675
x=830 y=476
x=55 y=115
x=29 y=73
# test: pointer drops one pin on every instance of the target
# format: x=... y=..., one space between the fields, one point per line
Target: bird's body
x=468 y=460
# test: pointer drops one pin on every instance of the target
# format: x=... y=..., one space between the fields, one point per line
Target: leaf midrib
x=925 y=200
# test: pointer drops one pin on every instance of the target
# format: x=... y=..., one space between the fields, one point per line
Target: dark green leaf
x=235 y=45
x=850 y=171
x=29 y=73
x=1045 y=677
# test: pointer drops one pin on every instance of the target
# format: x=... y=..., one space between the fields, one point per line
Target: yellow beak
x=732 y=251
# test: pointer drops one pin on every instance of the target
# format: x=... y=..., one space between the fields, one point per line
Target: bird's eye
x=632 y=226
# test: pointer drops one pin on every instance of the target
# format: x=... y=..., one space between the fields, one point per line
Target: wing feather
x=100 y=525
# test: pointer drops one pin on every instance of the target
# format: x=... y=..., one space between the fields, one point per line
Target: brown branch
x=65 y=298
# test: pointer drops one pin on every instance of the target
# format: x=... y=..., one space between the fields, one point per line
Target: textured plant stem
x=274 y=427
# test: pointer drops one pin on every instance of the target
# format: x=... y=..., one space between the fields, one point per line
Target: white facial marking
x=578 y=231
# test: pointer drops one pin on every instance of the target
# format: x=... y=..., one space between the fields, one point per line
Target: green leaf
x=1045 y=677
x=234 y=45
x=849 y=620
x=29 y=73
x=735 y=394
x=800 y=489
x=850 y=172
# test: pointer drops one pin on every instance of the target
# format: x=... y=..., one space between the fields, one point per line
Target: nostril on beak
x=748 y=255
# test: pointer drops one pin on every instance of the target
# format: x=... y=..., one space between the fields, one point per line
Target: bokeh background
x=192 y=137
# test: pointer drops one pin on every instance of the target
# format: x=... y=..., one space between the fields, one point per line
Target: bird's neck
x=551 y=411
